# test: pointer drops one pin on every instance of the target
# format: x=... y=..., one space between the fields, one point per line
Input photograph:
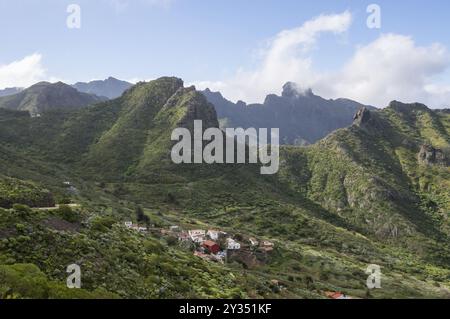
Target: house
x=197 y=235
x=142 y=229
x=267 y=245
x=174 y=229
x=232 y=244
x=253 y=242
x=183 y=236
x=211 y=246
x=336 y=295
x=128 y=224
x=213 y=234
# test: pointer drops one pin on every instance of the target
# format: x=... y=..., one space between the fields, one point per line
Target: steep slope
x=110 y=87
x=140 y=136
x=14 y=191
x=373 y=174
x=303 y=118
x=45 y=96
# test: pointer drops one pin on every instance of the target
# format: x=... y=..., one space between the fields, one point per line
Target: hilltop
x=110 y=87
x=45 y=96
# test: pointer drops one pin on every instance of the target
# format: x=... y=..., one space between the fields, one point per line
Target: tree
x=141 y=217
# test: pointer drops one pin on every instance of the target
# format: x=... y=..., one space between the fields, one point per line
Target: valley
x=373 y=192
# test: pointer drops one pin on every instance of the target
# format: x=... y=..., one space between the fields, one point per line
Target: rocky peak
x=429 y=155
x=361 y=117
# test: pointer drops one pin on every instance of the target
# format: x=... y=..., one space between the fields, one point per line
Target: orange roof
x=334 y=294
x=209 y=243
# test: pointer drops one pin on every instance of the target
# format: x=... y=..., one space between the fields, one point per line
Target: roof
x=209 y=243
x=334 y=295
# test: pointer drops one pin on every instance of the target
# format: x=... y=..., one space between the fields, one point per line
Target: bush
x=102 y=223
x=66 y=213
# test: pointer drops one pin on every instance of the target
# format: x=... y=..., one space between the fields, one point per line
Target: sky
x=244 y=49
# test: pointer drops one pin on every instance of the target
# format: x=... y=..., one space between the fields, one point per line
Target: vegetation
x=360 y=196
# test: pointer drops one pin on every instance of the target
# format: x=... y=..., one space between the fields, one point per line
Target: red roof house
x=211 y=246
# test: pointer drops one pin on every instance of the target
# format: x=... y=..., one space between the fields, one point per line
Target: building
x=232 y=244
x=211 y=246
x=142 y=229
x=197 y=235
x=213 y=234
x=183 y=236
x=128 y=224
x=267 y=245
x=336 y=295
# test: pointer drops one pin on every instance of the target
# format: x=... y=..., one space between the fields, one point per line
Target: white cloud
x=24 y=72
x=392 y=67
x=285 y=59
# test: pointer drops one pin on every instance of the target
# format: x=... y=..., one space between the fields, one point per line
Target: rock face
x=301 y=116
x=361 y=117
x=429 y=155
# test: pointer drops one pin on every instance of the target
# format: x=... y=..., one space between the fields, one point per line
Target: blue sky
x=226 y=44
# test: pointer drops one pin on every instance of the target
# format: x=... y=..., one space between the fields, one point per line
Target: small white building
x=142 y=229
x=267 y=243
x=232 y=244
x=197 y=235
x=213 y=234
x=128 y=224
x=174 y=229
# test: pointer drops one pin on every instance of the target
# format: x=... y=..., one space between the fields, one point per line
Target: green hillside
x=373 y=193
x=45 y=96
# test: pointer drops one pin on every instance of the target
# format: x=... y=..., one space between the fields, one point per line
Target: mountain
x=375 y=192
x=110 y=88
x=10 y=91
x=388 y=173
x=46 y=96
x=302 y=117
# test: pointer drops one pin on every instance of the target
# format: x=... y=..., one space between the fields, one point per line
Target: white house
x=232 y=244
x=128 y=224
x=142 y=229
x=267 y=243
x=197 y=235
x=213 y=234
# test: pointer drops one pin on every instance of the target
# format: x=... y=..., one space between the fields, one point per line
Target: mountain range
x=45 y=96
x=110 y=87
x=302 y=117
x=374 y=191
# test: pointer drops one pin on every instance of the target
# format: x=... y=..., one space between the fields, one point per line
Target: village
x=218 y=246
x=214 y=245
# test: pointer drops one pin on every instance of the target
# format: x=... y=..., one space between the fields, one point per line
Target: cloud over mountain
x=23 y=73
x=391 y=67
